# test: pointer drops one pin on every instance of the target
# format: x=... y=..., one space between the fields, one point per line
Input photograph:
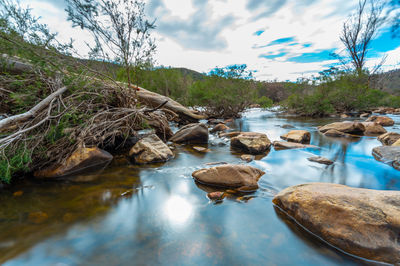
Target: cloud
x=262 y=9
x=273 y=56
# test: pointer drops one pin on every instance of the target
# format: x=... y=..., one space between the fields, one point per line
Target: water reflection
x=158 y=215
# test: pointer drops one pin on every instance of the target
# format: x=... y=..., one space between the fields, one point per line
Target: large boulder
x=388 y=154
x=191 y=134
x=229 y=175
x=355 y=128
x=283 y=145
x=389 y=138
x=381 y=120
x=299 y=136
x=251 y=142
x=150 y=150
x=362 y=222
x=79 y=161
x=373 y=128
x=219 y=127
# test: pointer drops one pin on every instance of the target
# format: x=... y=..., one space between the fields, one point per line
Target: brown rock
x=217 y=195
x=388 y=154
x=18 y=193
x=362 y=222
x=251 y=142
x=365 y=115
x=344 y=116
x=247 y=157
x=381 y=120
x=192 y=133
x=219 y=127
x=373 y=128
x=80 y=160
x=229 y=175
x=299 y=136
x=229 y=134
x=283 y=145
x=355 y=128
x=336 y=134
x=37 y=217
x=200 y=149
x=150 y=150
x=389 y=138
x=397 y=143
x=321 y=160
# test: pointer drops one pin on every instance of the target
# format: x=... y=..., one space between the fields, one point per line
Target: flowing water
x=158 y=215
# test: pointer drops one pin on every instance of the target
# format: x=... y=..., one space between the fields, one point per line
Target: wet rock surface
x=191 y=134
x=81 y=160
x=251 y=142
x=298 y=136
x=150 y=150
x=247 y=157
x=389 y=138
x=388 y=154
x=219 y=127
x=283 y=145
x=362 y=222
x=229 y=175
x=321 y=160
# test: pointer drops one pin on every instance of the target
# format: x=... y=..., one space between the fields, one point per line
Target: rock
x=150 y=150
x=362 y=222
x=18 y=193
x=355 y=128
x=200 y=149
x=217 y=195
x=213 y=121
x=219 y=127
x=365 y=115
x=37 y=217
x=283 y=145
x=287 y=126
x=373 y=128
x=251 y=142
x=80 y=160
x=192 y=133
x=389 y=138
x=247 y=157
x=381 y=120
x=388 y=154
x=229 y=134
x=336 y=134
x=397 y=143
x=229 y=175
x=321 y=160
x=344 y=116
x=299 y=136
x=229 y=120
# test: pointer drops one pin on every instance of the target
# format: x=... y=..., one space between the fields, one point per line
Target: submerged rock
x=321 y=160
x=283 y=145
x=229 y=175
x=247 y=157
x=220 y=127
x=373 y=128
x=192 y=133
x=201 y=149
x=362 y=222
x=389 y=138
x=299 y=136
x=251 y=142
x=287 y=126
x=150 y=150
x=217 y=195
x=355 y=128
x=381 y=120
x=80 y=160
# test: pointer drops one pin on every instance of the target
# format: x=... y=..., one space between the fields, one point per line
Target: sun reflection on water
x=178 y=210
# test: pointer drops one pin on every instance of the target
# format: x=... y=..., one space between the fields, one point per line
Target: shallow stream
x=158 y=215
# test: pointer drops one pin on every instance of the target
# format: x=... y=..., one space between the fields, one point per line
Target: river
x=157 y=215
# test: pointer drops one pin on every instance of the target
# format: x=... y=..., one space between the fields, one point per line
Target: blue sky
x=280 y=39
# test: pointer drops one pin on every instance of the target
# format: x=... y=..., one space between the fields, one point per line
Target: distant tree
x=120 y=30
x=358 y=32
x=232 y=71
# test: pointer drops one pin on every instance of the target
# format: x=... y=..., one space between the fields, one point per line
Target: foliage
x=17 y=163
x=264 y=102
x=120 y=30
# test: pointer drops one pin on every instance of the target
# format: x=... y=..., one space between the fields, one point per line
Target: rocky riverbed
x=156 y=205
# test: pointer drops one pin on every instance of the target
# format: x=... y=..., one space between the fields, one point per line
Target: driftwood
x=154 y=100
x=15 y=119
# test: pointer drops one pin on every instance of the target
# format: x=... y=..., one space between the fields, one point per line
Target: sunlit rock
x=192 y=133
x=217 y=195
x=381 y=120
x=247 y=157
x=150 y=150
x=220 y=127
x=373 y=128
x=389 y=138
x=229 y=175
x=80 y=160
x=362 y=222
x=299 y=136
x=251 y=142
x=355 y=128
x=284 y=145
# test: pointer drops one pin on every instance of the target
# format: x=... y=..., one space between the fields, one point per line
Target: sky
x=278 y=39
